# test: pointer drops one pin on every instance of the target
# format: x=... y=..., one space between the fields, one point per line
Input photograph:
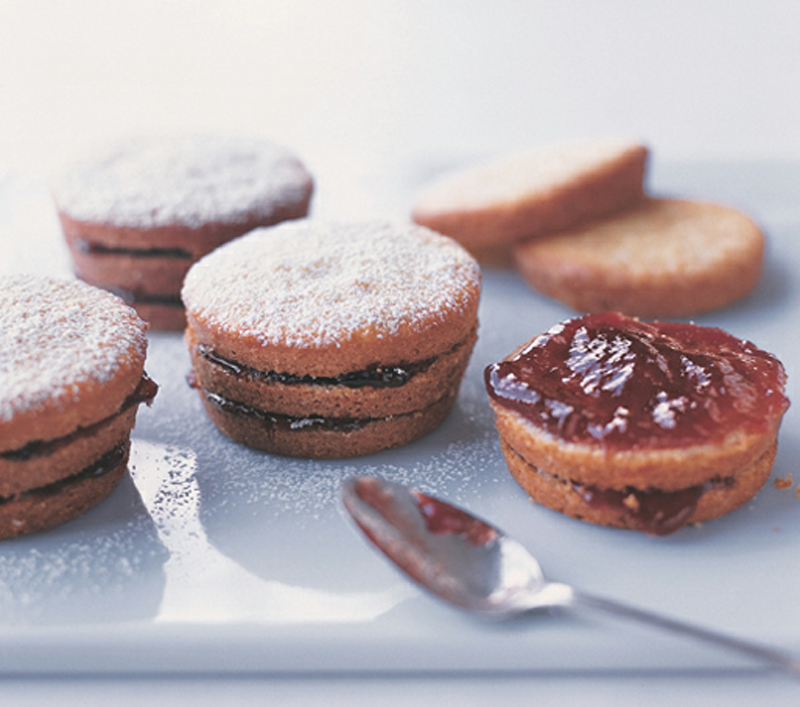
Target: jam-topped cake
x=71 y=380
x=644 y=425
x=137 y=213
x=331 y=339
x=489 y=207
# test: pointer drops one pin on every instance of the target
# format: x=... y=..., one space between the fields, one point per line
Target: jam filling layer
x=652 y=511
x=144 y=393
x=375 y=376
x=92 y=248
x=135 y=297
x=284 y=422
x=626 y=384
x=110 y=461
x=273 y=421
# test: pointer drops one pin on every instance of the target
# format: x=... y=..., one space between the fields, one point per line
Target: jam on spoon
x=492 y=574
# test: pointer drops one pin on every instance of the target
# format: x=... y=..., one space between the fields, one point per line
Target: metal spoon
x=473 y=565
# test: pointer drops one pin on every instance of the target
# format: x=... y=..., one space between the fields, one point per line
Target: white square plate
x=215 y=558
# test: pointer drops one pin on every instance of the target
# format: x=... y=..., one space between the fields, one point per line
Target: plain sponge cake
x=664 y=258
x=71 y=379
x=638 y=425
x=575 y=221
x=491 y=206
x=138 y=212
x=331 y=339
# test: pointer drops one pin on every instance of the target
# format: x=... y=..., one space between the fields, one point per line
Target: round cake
x=71 y=379
x=331 y=339
x=638 y=425
x=664 y=258
x=137 y=213
x=489 y=207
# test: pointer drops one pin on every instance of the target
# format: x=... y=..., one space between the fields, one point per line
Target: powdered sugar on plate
x=458 y=459
x=315 y=284
x=55 y=335
x=146 y=182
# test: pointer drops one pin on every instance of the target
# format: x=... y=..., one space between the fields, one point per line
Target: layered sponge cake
x=71 y=380
x=331 y=339
x=638 y=425
x=138 y=212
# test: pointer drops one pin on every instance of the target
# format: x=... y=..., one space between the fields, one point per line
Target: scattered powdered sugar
x=315 y=284
x=88 y=574
x=459 y=459
x=145 y=182
x=201 y=580
x=55 y=335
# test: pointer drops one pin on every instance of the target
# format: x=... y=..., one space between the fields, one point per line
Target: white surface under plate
x=214 y=558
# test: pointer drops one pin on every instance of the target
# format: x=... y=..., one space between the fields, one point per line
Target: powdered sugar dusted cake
x=331 y=339
x=137 y=213
x=71 y=379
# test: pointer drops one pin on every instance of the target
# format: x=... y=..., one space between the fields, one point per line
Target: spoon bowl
x=456 y=556
x=471 y=564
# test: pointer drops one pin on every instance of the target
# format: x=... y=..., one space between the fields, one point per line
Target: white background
x=378 y=87
x=392 y=80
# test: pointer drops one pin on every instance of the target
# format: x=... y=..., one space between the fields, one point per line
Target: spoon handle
x=765 y=654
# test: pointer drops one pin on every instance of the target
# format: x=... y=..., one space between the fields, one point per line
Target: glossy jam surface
x=622 y=383
x=373 y=377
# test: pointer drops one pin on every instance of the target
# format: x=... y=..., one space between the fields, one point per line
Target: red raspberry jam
x=443 y=519
x=615 y=381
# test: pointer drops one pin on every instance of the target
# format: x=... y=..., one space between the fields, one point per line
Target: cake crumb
x=630 y=501
x=785 y=482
